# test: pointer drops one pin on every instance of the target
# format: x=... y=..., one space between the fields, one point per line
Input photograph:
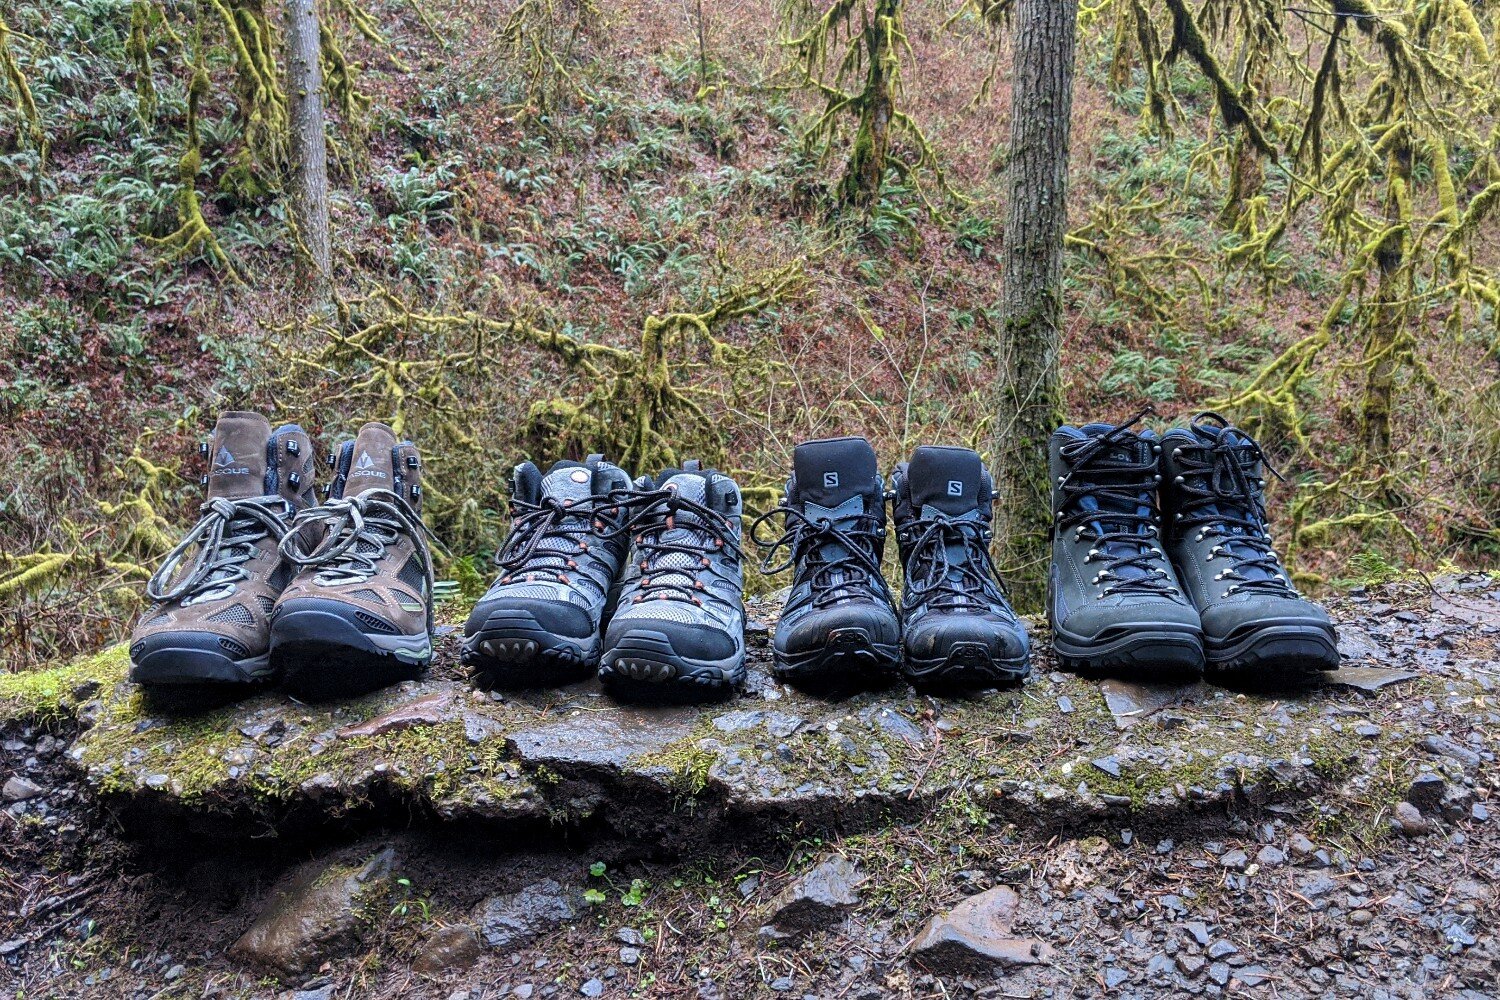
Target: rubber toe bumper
x=321 y=654
x=189 y=658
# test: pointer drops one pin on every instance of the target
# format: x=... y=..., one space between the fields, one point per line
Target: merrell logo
x=955 y=488
x=224 y=464
x=365 y=466
x=830 y=480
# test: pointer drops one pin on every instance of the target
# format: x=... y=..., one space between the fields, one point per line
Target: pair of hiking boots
x=1162 y=563
x=640 y=581
x=329 y=599
x=841 y=627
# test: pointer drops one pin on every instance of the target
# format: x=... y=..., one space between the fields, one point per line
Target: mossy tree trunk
x=309 y=142
x=1384 y=344
x=1028 y=401
x=866 y=170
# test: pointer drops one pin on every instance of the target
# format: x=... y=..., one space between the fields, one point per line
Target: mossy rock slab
x=1053 y=753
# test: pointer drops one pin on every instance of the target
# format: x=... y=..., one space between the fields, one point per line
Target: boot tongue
x=835 y=472
x=568 y=481
x=373 y=462
x=237 y=457
x=945 y=479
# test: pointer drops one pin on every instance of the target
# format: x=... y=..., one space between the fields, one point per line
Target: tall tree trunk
x=866 y=170
x=1029 y=399
x=1384 y=343
x=309 y=143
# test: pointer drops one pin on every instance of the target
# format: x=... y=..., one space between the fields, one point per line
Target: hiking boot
x=839 y=627
x=358 y=614
x=679 y=631
x=1256 y=627
x=540 y=622
x=958 y=628
x=209 y=621
x=1113 y=600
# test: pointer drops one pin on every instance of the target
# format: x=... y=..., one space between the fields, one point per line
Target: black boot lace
x=1222 y=499
x=836 y=558
x=936 y=578
x=672 y=568
x=1124 y=536
x=567 y=525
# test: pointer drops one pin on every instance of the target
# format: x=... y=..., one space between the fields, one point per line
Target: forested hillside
x=667 y=229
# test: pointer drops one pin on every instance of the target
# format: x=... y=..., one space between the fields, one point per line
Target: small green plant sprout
x=636 y=894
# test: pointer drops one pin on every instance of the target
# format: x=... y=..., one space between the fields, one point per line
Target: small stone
x=448 y=947
x=1426 y=792
x=1164 y=846
x=516 y=918
x=1409 y=822
x=629 y=955
x=523 y=992
x=1065 y=704
x=1190 y=965
x=816 y=899
x=1221 y=949
x=1114 y=976
x=1269 y=855
x=1361 y=917
x=592 y=988
x=630 y=936
x=19 y=789
x=1219 y=973
x=427 y=711
x=174 y=972
x=1318 y=886
x=1234 y=860
x=1300 y=846
x=1199 y=930
x=1252 y=975
x=974 y=936
x=1109 y=765
x=1366 y=679
x=782 y=984
x=1367 y=730
x=1480 y=813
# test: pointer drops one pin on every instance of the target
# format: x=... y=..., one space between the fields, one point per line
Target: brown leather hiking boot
x=209 y=622
x=358 y=614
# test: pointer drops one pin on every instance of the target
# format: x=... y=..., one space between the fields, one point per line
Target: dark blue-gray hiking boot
x=541 y=622
x=678 y=633
x=1113 y=600
x=1257 y=629
x=958 y=628
x=839 y=627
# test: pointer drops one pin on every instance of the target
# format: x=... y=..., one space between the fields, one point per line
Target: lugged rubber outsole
x=849 y=659
x=320 y=656
x=966 y=665
x=1276 y=655
x=1143 y=654
x=512 y=650
x=177 y=667
x=643 y=666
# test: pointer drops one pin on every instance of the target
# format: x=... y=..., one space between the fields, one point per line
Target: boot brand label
x=830 y=480
x=365 y=466
x=224 y=464
x=955 y=488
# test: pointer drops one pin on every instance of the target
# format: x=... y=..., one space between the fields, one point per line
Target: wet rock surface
x=1334 y=842
x=816 y=900
x=316 y=917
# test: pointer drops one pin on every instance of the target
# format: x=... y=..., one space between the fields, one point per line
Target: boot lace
x=671 y=568
x=358 y=530
x=836 y=558
x=1123 y=534
x=226 y=535
x=1222 y=500
x=567 y=524
x=936 y=578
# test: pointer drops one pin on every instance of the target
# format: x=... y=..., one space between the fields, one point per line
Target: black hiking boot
x=1258 y=631
x=358 y=614
x=1114 y=602
x=209 y=620
x=679 y=631
x=958 y=628
x=839 y=628
x=541 y=622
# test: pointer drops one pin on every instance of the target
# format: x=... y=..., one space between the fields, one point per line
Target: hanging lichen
x=24 y=103
x=193 y=234
x=542 y=40
x=873 y=39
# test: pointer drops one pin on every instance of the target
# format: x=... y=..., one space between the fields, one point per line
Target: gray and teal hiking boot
x=1113 y=600
x=678 y=633
x=1257 y=629
x=540 y=623
x=839 y=627
x=958 y=629
x=358 y=614
x=209 y=620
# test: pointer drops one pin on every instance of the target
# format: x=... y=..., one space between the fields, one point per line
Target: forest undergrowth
x=562 y=227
